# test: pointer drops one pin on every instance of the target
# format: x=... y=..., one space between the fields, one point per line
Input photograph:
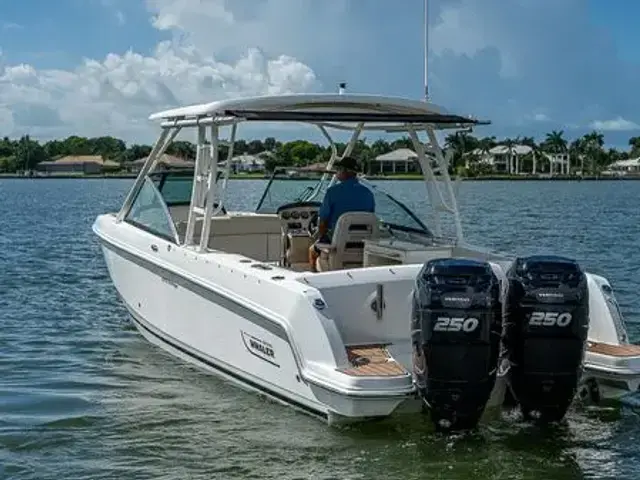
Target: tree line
x=587 y=152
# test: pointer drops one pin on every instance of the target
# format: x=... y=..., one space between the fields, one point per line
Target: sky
x=100 y=67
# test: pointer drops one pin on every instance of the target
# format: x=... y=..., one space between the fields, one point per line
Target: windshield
x=175 y=186
x=283 y=189
x=395 y=214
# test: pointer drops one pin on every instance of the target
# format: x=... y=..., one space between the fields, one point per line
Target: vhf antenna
x=426 y=51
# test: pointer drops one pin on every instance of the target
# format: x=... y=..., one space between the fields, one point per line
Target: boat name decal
x=259 y=348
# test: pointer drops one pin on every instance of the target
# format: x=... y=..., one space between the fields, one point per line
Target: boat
x=404 y=315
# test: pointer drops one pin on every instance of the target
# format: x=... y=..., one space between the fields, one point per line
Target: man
x=347 y=196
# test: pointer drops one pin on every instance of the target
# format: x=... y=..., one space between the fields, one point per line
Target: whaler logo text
x=259 y=348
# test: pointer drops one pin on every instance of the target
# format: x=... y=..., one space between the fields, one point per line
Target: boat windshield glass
x=175 y=186
x=284 y=189
x=150 y=213
x=395 y=214
x=287 y=187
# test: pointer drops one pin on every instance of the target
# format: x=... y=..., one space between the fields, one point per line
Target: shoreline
x=372 y=177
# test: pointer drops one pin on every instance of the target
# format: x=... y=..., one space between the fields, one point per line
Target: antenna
x=426 y=51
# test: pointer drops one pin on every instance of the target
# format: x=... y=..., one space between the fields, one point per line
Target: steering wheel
x=312 y=226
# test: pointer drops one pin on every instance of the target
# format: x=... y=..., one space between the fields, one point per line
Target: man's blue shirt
x=347 y=196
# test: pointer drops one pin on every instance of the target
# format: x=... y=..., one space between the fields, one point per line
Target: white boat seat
x=233 y=224
x=346 y=249
x=256 y=236
x=297 y=248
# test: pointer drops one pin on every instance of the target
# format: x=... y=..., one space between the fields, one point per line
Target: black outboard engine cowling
x=456 y=327
x=545 y=333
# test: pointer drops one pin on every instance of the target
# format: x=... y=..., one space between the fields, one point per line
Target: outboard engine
x=545 y=333
x=455 y=329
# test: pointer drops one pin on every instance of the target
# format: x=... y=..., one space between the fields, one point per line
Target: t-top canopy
x=320 y=108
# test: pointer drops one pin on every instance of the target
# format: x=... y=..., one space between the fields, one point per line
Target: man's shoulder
x=366 y=190
x=331 y=190
x=349 y=186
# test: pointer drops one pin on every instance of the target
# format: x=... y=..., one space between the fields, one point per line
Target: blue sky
x=94 y=67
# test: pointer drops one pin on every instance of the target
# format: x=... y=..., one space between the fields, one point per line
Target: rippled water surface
x=83 y=396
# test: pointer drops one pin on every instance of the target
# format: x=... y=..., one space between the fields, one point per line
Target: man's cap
x=347 y=163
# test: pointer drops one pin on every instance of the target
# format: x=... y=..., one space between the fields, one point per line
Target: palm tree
x=555 y=144
x=485 y=145
x=460 y=143
x=634 y=143
x=531 y=143
x=577 y=151
x=593 y=143
x=511 y=144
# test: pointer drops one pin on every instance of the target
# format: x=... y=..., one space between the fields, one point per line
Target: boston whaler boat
x=402 y=311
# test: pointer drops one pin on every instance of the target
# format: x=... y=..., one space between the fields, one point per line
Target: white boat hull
x=337 y=344
x=216 y=335
x=213 y=337
x=205 y=333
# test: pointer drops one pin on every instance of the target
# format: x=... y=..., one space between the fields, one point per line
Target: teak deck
x=376 y=362
x=614 y=350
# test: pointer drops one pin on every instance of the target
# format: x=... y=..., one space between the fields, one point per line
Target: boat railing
x=431 y=158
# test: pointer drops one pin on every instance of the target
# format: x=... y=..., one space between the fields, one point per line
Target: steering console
x=298 y=217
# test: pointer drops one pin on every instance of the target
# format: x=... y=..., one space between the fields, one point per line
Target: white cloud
x=115 y=95
x=11 y=26
x=487 y=52
x=507 y=61
x=462 y=32
x=189 y=16
x=300 y=28
x=6 y=119
x=616 y=125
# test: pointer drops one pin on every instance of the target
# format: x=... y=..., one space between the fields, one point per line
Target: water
x=83 y=396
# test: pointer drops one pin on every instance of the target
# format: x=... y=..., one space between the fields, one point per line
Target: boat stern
x=373 y=384
x=611 y=371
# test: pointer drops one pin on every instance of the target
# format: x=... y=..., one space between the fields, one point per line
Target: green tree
x=298 y=153
x=182 y=149
x=254 y=147
x=593 y=143
x=28 y=153
x=460 y=143
x=270 y=144
x=634 y=143
x=555 y=142
x=136 y=152
x=108 y=148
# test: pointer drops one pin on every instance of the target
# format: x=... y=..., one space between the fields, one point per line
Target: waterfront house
x=401 y=160
x=166 y=162
x=624 y=167
x=81 y=164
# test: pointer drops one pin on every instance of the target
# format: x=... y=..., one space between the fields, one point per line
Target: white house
x=166 y=161
x=502 y=158
x=508 y=160
x=247 y=163
x=631 y=165
x=560 y=162
x=402 y=160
